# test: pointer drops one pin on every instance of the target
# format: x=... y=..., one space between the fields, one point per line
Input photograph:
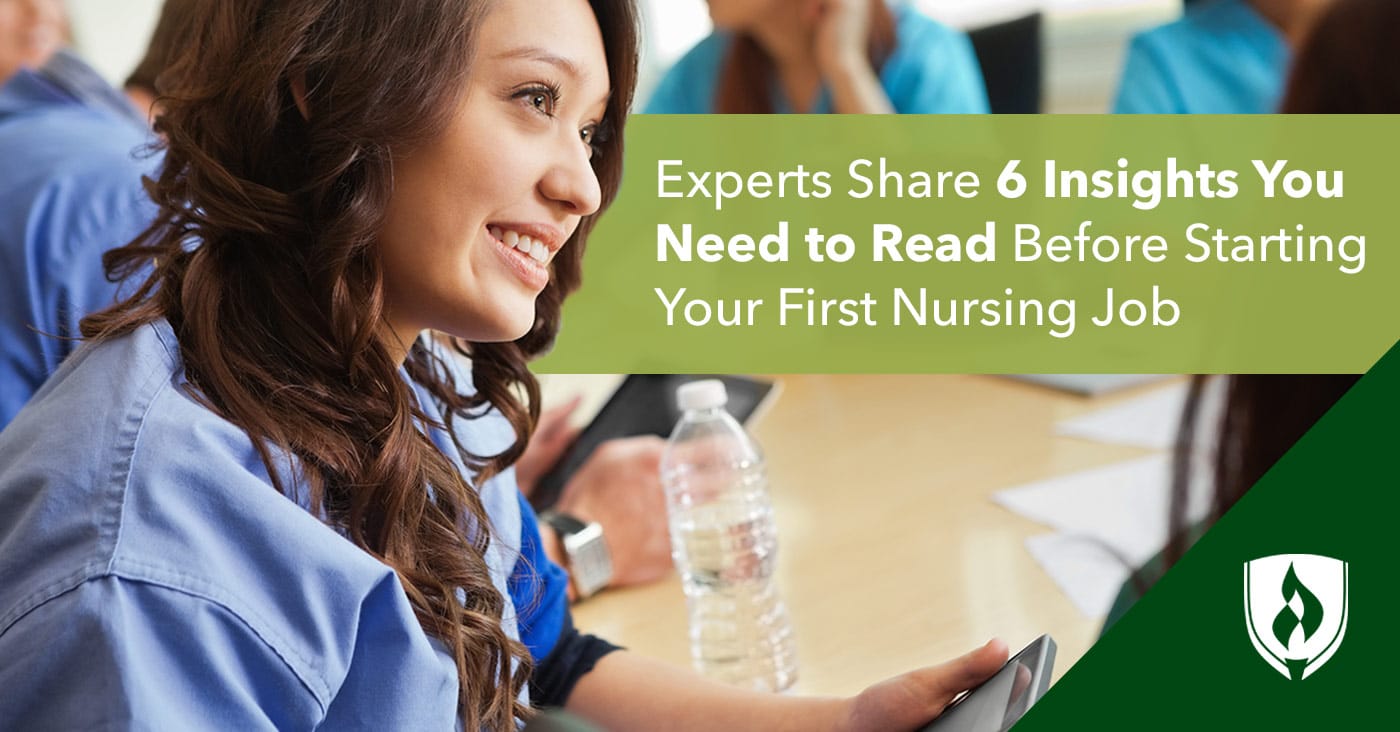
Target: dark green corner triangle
x=1182 y=659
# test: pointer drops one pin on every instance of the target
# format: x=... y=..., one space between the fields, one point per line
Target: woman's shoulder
x=1201 y=25
x=1220 y=56
x=933 y=69
x=707 y=54
x=922 y=41
x=688 y=86
x=912 y=24
x=119 y=421
x=117 y=471
x=484 y=430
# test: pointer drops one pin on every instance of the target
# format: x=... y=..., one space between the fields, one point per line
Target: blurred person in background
x=1220 y=57
x=821 y=56
x=31 y=31
x=1262 y=417
x=1348 y=65
x=1344 y=67
x=70 y=188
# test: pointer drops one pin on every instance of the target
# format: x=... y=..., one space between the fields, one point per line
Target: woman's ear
x=299 y=96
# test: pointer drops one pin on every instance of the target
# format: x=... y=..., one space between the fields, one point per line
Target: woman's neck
x=144 y=100
x=787 y=39
x=398 y=337
x=1293 y=18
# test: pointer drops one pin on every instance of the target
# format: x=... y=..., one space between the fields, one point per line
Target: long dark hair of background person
x=746 y=78
x=264 y=261
x=1262 y=417
x=1350 y=63
x=1346 y=66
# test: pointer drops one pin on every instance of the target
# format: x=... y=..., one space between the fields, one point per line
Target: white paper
x=1085 y=571
x=1123 y=505
x=1108 y=520
x=1149 y=421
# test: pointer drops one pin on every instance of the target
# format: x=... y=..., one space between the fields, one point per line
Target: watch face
x=589 y=562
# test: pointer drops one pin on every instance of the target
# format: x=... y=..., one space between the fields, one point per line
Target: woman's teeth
x=533 y=247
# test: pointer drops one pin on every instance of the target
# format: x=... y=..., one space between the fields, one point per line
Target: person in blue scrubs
x=1221 y=57
x=74 y=150
x=265 y=495
x=70 y=189
x=820 y=56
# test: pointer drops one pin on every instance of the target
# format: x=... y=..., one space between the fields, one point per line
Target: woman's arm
x=627 y=692
x=841 y=43
x=856 y=89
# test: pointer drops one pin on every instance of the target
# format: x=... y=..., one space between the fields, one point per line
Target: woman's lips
x=528 y=267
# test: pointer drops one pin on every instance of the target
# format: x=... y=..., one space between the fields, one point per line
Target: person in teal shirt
x=1339 y=71
x=842 y=56
x=1221 y=57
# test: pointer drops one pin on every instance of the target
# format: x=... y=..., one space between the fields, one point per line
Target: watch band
x=562 y=522
x=590 y=565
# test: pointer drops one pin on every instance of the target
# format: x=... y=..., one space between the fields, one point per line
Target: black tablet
x=645 y=404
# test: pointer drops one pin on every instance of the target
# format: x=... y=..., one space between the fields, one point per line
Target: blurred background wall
x=112 y=34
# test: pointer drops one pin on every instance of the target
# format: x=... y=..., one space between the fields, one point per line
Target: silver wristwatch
x=590 y=565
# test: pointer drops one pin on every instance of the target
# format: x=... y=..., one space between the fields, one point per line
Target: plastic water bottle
x=725 y=544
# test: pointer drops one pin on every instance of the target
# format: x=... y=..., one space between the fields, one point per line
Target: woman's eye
x=540 y=99
x=592 y=135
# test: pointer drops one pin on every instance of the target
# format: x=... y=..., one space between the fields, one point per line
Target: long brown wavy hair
x=746 y=77
x=264 y=261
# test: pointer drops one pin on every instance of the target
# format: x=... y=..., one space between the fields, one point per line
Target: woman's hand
x=553 y=435
x=914 y=699
x=841 y=35
x=619 y=486
x=841 y=44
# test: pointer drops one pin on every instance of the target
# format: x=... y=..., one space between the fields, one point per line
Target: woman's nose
x=571 y=182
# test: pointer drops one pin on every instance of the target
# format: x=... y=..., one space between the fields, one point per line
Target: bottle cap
x=703 y=394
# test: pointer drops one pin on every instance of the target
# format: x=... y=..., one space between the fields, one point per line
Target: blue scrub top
x=70 y=189
x=151 y=578
x=69 y=72
x=1221 y=57
x=933 y=70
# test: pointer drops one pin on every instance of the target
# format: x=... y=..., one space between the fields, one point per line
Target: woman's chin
x=519 y=332
x=503 y=329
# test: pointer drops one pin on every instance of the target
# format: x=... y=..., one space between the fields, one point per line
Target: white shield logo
x=1295 y=607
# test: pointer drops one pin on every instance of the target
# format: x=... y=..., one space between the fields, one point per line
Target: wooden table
x=892 y=555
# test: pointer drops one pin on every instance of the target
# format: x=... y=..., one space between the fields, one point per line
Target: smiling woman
x=483 y=209
x=338 y=177
x=265 y=496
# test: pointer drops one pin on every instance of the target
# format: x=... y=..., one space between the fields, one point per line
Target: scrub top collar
x=27 y=90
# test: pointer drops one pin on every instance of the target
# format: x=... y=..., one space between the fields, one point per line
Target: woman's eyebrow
x=535 y=53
